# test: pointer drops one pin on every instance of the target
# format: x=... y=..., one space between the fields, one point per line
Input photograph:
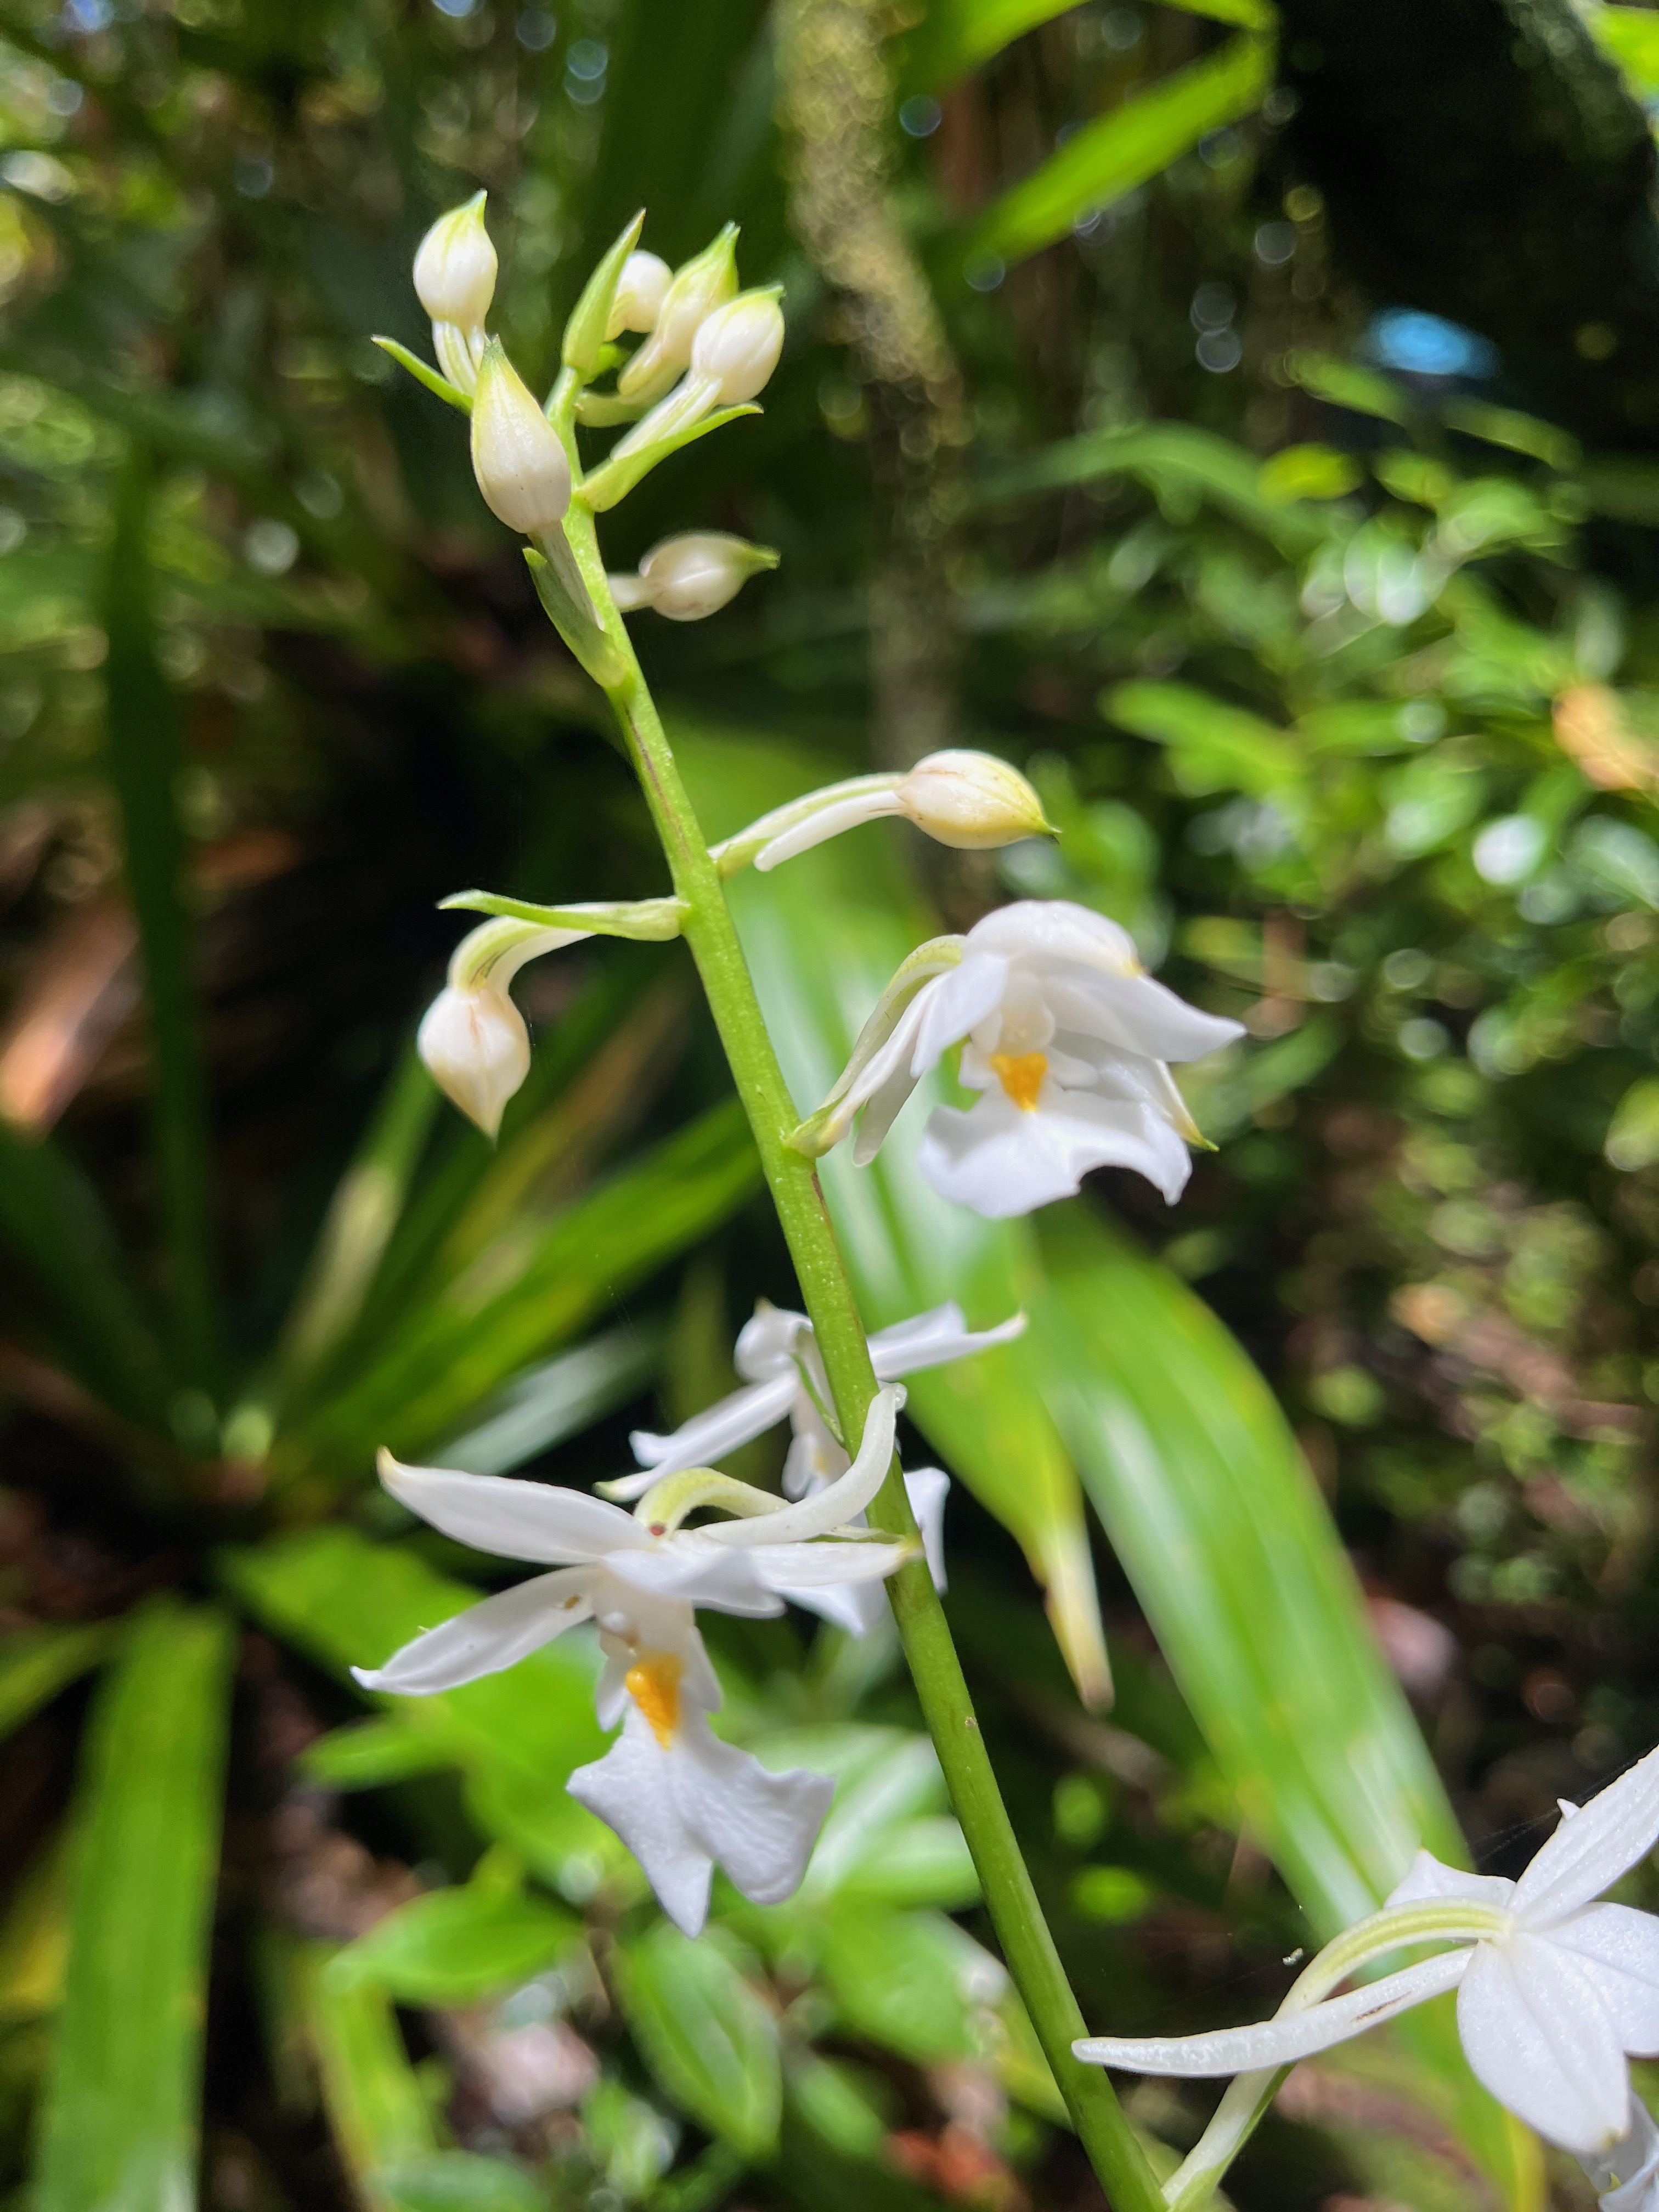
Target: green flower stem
x=1027 y=1944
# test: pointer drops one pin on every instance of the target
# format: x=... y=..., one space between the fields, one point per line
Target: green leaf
x=120 y=2125
x=146 y=758
x=911 y=1982
x=706 y=2035
x=584 y=331
x=1111 y=156
x=378 y=2114
x=1361 y=391
x=366 y=1754
x=1215 y=747
x=1630 y=37
x=459 y=2181
x=956 y=36
x=906 y=1248
x=36 y=1663
x=614 y=479
x=55 y=1223
x=456 y=1947
x=558 y=1399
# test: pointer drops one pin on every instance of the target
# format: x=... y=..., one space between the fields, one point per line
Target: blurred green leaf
x=459 y=2181
x=706 y=2035
x=1112 y=155
x=911 y=1982
x=378 y=2114
x=955 y=37
x=36 y=1663
x=455 y=1947
x=1216 y=747
x=906 y=1247
x=120 y=2122
x=1343 y=384
x=1630 y=37
x=366 y=1754
x=558 y=1399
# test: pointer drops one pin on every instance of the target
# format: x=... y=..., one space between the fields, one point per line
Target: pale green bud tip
x=476 y=1050
x=737 y=348
x=695 y=576
x=971 y=801
x=516 y=458
x=640 y=291
x=455 y=267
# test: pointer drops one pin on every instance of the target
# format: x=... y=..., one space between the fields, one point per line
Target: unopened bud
x=688 y=577
x=737 y=348
x=693 y=294
x=476 y=1050
x=970 y=800
x=516 y=458
x=455 y=267
x=640 y=291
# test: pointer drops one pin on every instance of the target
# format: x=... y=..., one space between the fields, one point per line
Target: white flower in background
x=778 y=1356
x=455 y=281
x=521 y=466
x=692 y=293
x=688 y=577
x=679 y=1798
x=1554 y=1990
x=1066 y=1037
x=640 y=291
x=473 y=1038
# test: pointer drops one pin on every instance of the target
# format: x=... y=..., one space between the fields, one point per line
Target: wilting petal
x=842 y=1501
x=1587 y=1854
x=1431 y=1880
x=515 y=1520
x=708 y=1436
x=486 y=1638
x=1538 y=2036
x=1280 y=2042
x=681 y=1806
x=1622 y=1947
x=1003 y=1162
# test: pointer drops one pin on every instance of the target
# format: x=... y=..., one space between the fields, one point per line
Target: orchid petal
x=700 y=1573
x=928 y=1488
x=487 y=1636
x=1430 y=1879
x=768 y=1341
x=630 y=1791
x=708 y=1436
x=1057 y=929
x=787 y=1568
x=832 y=1508
x=1623 y=1947
x=515 y=1520
x=1587 y=1854
x=1280 y=2042
x=1536 y=2033
x=957 y=1004
x=1002 y=1162
x=932 y=1338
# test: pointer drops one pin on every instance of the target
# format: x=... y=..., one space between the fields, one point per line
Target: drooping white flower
x=473 y=1038
x=521 y=466
x=679 y=1798
x=777 y=1354
x=1554 y=1990
x=693 y=575
x=1066 y=1037
x=455 y=282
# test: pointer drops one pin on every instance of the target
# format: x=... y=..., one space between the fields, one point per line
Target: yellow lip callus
x=1020 y=1074
x=653 y=1683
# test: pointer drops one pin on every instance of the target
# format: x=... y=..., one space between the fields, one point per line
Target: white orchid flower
x=679 y=1798
x=777 y=1355
x=1627 y=2176
x=1063 y=1033
x=1554 y=1990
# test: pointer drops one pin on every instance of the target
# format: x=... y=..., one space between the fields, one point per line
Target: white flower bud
x=970 y=800
x=516 y=458
x=640 y=291
x=693 y=294
x=688 y=577
x=737 y=348
x=455 y=267
x=476 y=1050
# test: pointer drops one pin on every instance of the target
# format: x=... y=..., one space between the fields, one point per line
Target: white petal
x=816 y=1515
x=630 y=1790
x=767 y=1342
x=932 y=1340
x=1280 y=2042
x=787 y=1568
x=883 y=1107
x=957 y=1004
x=1059 y=929
x=486 y=1638
x=1430 y=1879
x=1536 y=2033
x=708 y=1436
x=855 y=1607
x=1632 y=2163
x=1622 y=1947
x=516 y=1520
x=759 y=1827
x=814 y=1459
x=699 y=1573
x=1142 y=1017
x=890 y=1060
x=1002 y=1162
x=1587 y=1854
x=928 y=1488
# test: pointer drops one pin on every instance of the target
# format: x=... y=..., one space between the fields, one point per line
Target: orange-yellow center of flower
x=1020 y=1074
x=654 y=1684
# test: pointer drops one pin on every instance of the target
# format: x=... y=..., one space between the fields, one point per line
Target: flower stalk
x=709 y=932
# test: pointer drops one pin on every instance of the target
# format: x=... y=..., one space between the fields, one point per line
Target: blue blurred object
x=1427 y=345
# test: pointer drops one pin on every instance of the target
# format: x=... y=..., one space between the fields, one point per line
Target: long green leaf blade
x=378 y=2114
x=120 y=2129
x=36 y=1663
x=1111 y=156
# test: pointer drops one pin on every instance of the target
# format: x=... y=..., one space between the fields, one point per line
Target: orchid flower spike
x=1553 y=1989
x=778 y=1357
x=473 y=1038
x=679 y=1798
x=455 y=281
x=693 y=575
x=1066 y=1037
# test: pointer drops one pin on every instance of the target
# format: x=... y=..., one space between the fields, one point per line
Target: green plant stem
x=1026 y=1943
